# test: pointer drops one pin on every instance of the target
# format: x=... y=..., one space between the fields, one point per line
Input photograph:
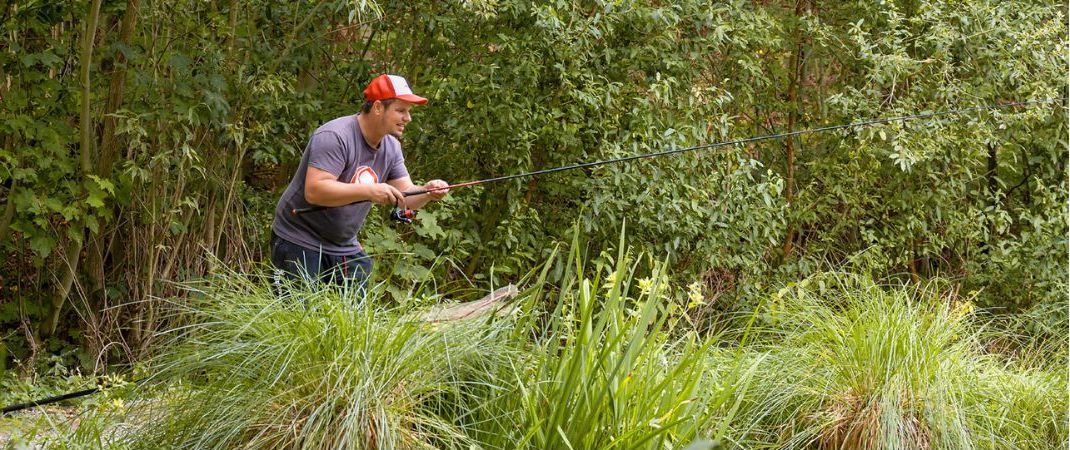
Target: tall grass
x=313 y=370
x=855 y=365
x=585 y=364
x=606 y=358
x=609 y=371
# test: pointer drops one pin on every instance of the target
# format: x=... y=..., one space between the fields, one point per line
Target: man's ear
x=378 y=107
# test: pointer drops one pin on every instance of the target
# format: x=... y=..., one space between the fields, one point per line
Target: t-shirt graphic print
x=365 y=175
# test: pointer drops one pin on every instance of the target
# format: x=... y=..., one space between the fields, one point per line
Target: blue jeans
x=299 y=263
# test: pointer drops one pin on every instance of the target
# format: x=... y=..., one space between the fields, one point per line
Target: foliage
x=143 y=146
x=52 y=377
x=958 y=196
x=138 y=137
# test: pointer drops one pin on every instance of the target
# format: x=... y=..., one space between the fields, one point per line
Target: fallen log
x=496 y=302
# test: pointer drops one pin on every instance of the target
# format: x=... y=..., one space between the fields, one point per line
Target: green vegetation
x=856 y=365
x=609 y=361
x=143 y=146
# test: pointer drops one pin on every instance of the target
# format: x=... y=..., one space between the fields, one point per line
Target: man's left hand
x=438 y=194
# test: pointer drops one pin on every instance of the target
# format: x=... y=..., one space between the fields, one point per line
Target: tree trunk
x=232 y=26
x=798 y=59
x=74 y=247
x=69 y=267
x=109 y=144
x=86 y=61
x=9 y=212
x=97 y=253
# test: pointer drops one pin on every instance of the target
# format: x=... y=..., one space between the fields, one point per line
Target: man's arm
x=323 y=188
x=404 y=184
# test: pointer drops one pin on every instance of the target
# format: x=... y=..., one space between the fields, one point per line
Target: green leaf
x=103 y=184
x=179 y=61
x=91 y=223
x=176 y=227
x=42 y=244
x=95 y=199
x=53 y=204
x=50 y=59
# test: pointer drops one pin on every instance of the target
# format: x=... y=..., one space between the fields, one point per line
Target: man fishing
x=349 y=163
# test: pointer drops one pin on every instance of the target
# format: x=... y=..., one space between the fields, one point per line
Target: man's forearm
x=331 y=193
x=417 y=201
x=405 y=184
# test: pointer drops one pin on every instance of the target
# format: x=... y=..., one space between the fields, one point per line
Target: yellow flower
x=611 y=280
x=962 y=309
x=645 y=284
x=694 y=295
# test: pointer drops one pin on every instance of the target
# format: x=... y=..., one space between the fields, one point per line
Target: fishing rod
x=406 y=215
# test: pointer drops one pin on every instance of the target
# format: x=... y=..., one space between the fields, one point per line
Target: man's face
x=395 y=117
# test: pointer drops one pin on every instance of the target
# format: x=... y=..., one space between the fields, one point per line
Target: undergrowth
x=608 y=358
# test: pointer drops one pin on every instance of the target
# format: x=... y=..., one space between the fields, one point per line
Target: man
x=348 y=160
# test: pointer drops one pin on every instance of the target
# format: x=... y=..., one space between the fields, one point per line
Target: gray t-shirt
x=337 y=147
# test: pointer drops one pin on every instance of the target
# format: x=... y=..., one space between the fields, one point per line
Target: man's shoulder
x=337 y=133
x=341 y=126
x=391 y=144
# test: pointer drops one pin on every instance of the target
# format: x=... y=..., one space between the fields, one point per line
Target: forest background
x=143 y=144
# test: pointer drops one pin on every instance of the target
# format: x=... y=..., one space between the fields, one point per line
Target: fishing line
x=59 y=398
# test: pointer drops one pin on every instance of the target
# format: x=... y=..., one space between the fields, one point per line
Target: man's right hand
x=385 y=194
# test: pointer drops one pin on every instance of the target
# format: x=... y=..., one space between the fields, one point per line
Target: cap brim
x=413 y=99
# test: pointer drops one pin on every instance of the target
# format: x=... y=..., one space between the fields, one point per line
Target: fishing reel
x=401 y=215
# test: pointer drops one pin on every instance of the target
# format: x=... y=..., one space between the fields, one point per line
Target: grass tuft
x=318 y=369
x=855 y=365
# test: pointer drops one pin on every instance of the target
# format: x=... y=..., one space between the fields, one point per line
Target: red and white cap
x=386 y=87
